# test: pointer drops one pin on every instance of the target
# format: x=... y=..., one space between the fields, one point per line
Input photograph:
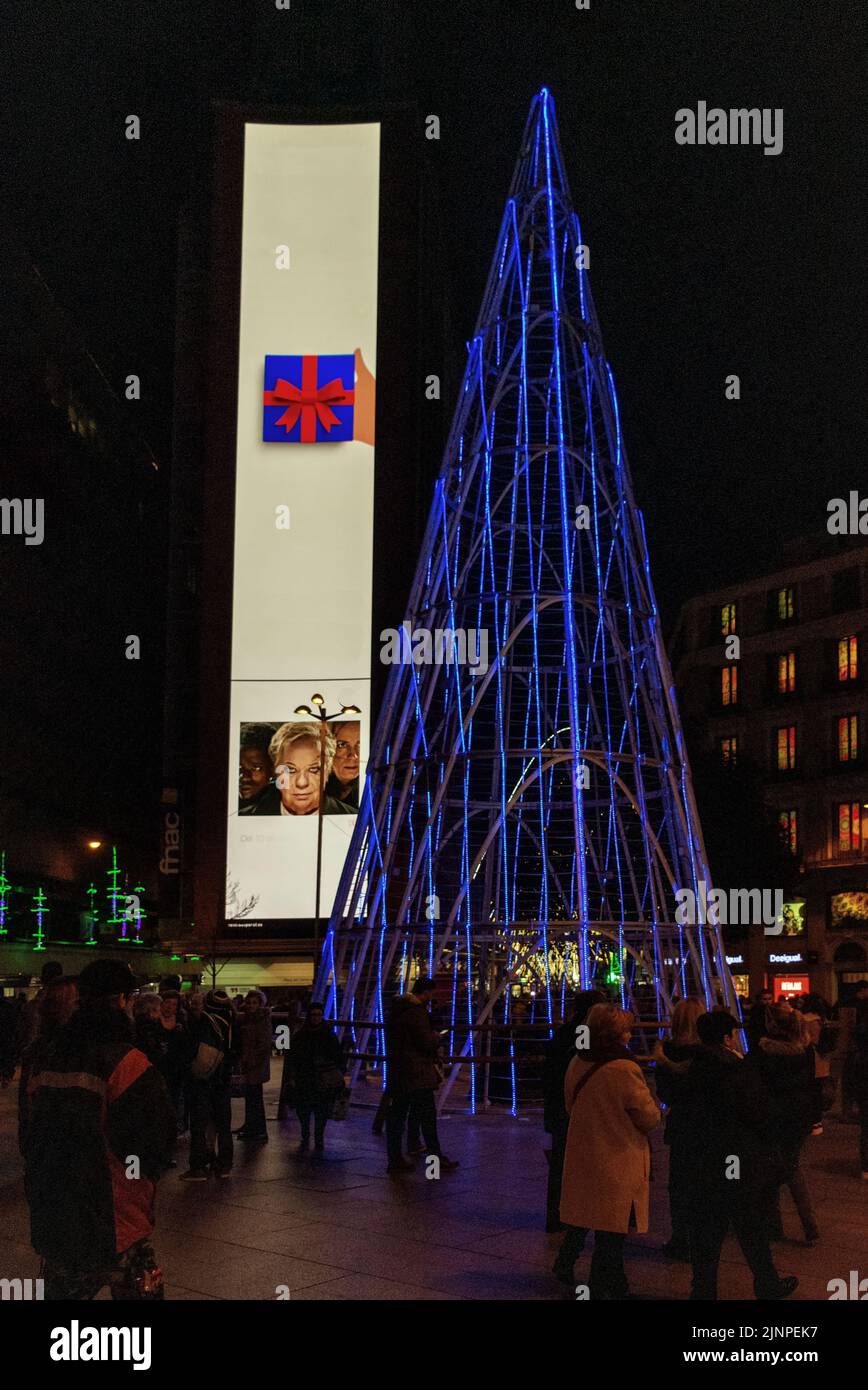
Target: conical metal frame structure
x=529 y=819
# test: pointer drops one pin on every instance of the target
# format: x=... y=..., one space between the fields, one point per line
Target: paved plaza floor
x=339 y=1228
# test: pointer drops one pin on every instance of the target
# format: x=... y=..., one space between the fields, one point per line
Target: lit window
x=786 y=748
x=729 y=751
x=849 y=827
x=729 y=685
x=785 y=606
x=848 y=738
x=848 y=658
x=727 y=619
x=786 y=673
x=789 y=830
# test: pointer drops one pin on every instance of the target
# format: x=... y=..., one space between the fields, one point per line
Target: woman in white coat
x=607 y=1165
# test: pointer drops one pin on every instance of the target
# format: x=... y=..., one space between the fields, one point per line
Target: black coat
x=732 y=1115
x=757 y=1025
x=558 y=1055
x=674 y=1089
x=412 y=1045
x=313 y=1053
x=787 y=1072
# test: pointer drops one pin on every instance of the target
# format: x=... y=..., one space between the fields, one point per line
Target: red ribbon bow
x=309 y=401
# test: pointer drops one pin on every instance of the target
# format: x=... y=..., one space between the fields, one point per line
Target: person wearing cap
x=732 y=1161
x=101 y=1130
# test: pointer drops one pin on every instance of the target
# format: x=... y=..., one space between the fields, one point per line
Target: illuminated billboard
x=793 y=918
x=304 y=503
x=849 y=911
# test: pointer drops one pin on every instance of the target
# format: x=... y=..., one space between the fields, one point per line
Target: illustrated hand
x=365 y=402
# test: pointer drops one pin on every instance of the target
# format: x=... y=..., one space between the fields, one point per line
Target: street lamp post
x=319 y=712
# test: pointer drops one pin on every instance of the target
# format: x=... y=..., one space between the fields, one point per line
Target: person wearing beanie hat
x=97 y=1101
x=732 y=1119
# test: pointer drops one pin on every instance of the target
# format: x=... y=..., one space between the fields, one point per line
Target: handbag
x=329 y=1078
x=341 y=1105
x=209 y=1055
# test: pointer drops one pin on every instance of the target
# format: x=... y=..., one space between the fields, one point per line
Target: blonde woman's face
x=299 y=776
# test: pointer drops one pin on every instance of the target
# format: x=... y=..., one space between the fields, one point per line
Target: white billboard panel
x=303 y=558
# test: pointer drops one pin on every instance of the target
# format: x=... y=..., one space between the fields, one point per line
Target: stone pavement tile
x=408 y=1190
x=175 y=1293
x=210 y=1245
x=17 y=1259
x=277 y=1197
x=15 y=1220
x=234 y=1271
x=481 y=1204
x=323 y=1177
x=434 y=1227
x=241 y=1225
x=408 y=1261
x=527 y=1246
x=505 y=1280
x=364 y=1288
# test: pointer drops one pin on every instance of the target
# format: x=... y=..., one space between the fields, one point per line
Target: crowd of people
x=735 y=1124
x=113 y=1076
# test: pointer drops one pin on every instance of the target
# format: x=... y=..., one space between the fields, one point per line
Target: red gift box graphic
x=308 y=404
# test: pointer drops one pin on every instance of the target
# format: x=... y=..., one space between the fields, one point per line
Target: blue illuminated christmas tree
x=527 y=821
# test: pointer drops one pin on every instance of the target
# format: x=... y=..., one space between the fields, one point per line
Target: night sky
x=704 y=261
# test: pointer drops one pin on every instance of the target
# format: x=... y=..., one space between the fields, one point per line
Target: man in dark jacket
x=210 y=1098
x=757 y=1019
x=413 y=1076
x=732 y=1161
x=101 y=1131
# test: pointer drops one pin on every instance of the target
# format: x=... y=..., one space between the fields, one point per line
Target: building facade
x=771 y=677
x=81 y=715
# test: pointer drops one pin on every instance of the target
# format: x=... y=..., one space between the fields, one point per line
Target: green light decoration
x=115 y=919
x=40 y=909
x=138 y=916
x=5 y=890
x=92 y=916
x=613 y=973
